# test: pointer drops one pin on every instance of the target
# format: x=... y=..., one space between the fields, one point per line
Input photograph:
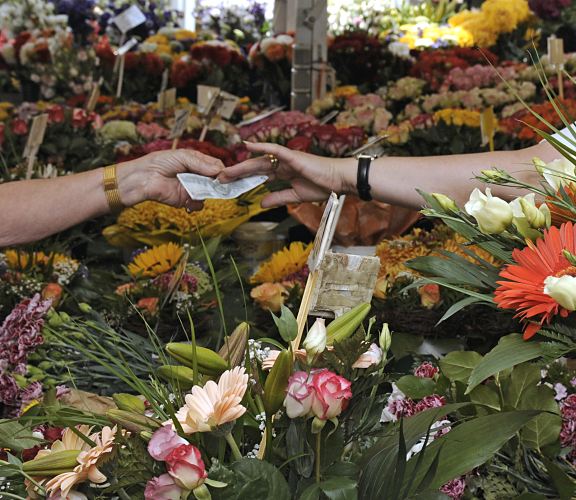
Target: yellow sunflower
x=155 y=261
x=394 y=253
x=288 y=261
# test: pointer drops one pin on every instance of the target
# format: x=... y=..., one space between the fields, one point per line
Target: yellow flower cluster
x=155 y=261
x=19 y=260
x=345 y=91
x=163 y=41
x=5 y=109
x=288 y=261
x=423 y=35
x=494 y=17
x=459 y=117
x=393 y=254
x=151 y=215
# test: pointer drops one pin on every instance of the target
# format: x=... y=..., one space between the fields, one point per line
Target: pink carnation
x=455 y=488
x=568 y=432
x=426 y=370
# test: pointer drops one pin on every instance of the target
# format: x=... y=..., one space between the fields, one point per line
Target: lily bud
x=277 y=382
x=495 y=175
x=445 y=202
x=132 y=421
x=315 y=342
x=208 y=362
x=562 y=290
x=570 y=257
x=53 y=464
x=492 y=214
x=85 y=308
x=129 y=402
x=234 y=347
x=385 y=339
x=178 y=374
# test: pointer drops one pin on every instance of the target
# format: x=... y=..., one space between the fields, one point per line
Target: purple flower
x=31 y=393
x=561 y=391
x=548 y=9
x=568 y=432
x=8 y=390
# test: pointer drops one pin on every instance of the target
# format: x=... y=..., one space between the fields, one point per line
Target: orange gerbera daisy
x=527 y=288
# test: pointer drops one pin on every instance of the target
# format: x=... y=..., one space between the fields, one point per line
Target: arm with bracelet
x=33 y=209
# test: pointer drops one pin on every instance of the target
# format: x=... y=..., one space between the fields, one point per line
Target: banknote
x=200 y=187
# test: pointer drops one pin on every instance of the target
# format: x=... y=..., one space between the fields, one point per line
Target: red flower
x=19 y=126
x=80 y=118
x=2 y=136
x=300 y=143
x=523 y=290
x=56 y=114
x=184 y=73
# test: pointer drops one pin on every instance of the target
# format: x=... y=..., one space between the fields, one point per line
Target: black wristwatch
x=362 y=184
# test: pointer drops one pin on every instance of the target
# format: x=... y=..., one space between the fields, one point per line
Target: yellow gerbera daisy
x=394 y=253
x=19 y=260
x=155 y=261
x=290 y=260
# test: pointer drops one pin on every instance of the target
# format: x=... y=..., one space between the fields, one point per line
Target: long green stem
x=233 y=447
x=318 y=458
x=268 y=430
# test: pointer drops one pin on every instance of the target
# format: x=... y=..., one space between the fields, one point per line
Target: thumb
x=199 y=163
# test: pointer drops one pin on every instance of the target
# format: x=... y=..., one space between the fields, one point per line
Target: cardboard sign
x=164 y=84
x=325 y=232
x=556 y=51
x=181 y=120
x=213 y=100
x=35 y=139
x=167 y=99
x=129 y=19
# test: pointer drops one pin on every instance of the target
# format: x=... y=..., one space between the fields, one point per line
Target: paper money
x=205 y=188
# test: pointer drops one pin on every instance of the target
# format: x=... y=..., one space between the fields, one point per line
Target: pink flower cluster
x=281 y=126
x=321 y=394
x=328 y=138
x=20 y=333
x=477 y=76
x=188 y=282
x=568 y=432
x=186 y=470
x=426 y=370
x=455 y=488
x=152 y=131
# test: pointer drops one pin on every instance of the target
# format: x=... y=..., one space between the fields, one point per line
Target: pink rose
x=331 y=394
x=371 y=357
x=162 y=488
x=186 y=467
x=164 y=441
x=300 y=395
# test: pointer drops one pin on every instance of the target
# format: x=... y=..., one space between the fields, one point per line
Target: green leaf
x=545 y=428
x=457 y=307
x=524 y=377
x=458 y=365
x=416 y=387
x=404 y=344
x=339 y=488
x=486 y=396
x=564 y=484
x=469 y=445
x=311 y=493
x=510 y=351
x=253 y=479
x=15 y=437
x=286 y=324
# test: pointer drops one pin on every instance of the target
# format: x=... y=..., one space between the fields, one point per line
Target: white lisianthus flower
x=492 y=214
x=400 y=49
x=562 y=290
x=556 y=172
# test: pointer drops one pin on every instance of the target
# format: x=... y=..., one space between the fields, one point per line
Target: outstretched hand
x=153 y=177
x=312 y=178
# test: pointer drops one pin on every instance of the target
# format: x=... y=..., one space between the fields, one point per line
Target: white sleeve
x=567 y=136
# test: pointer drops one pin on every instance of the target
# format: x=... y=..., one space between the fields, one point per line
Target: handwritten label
x=167 y=99
x=94 y=95
x=181 y=120
x=129 y=19
x=556 y=51
x=213 y=100
x=36 y=136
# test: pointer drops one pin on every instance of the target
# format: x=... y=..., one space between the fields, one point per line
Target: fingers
x=254 y=166
x=280 y=198
x=193 y=205
x=199 y=163
x=283 y=154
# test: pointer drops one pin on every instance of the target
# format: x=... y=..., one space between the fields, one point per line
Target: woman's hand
x=153 y=177
x=312 y=178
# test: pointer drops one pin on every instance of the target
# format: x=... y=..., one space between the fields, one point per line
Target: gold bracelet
x=111 y=189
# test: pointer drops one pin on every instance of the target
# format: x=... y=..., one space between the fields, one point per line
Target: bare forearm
x=395 y=179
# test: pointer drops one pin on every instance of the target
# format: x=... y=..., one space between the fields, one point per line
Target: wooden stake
x=120 y=77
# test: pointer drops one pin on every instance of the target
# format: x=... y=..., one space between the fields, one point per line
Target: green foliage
x=250 y=479
x=286 y=324
x=16 y=437
x=458 y=366
x=346 y=352
x=416 y=387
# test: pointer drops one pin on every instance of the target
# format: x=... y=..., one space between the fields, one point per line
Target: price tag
x=213 y=100
x=129 y=19
x=164 y=84
x=556 y=51
x=94 y=95
x=206 y=94
x=180 y=122
x=167 y=99
x=487 y=127
x=35 y=139
x=126 y=47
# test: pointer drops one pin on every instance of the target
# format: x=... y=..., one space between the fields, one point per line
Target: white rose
x=315 y=342
x=285 y=39
x=562 y=290
x=557 y=173
x=492 y=214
